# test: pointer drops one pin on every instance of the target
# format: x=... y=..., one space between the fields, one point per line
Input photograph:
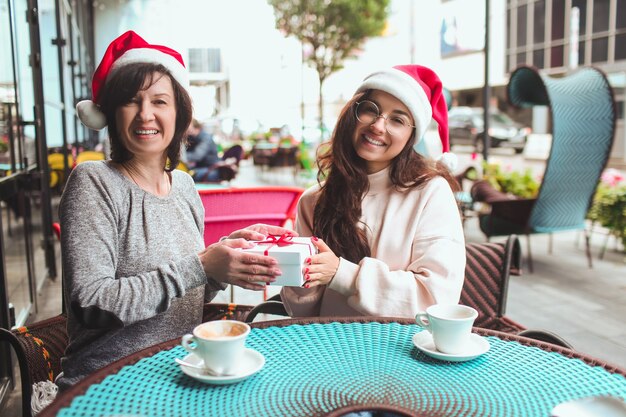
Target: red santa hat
x=129 y=48
x=421 y=90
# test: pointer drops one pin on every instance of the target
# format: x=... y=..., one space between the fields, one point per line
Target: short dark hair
x=123 y=85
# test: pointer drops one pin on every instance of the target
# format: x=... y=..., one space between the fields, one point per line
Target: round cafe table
x=330 y=366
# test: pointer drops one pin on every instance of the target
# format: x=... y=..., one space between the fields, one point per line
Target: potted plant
x=519 y=184
x=609 y=204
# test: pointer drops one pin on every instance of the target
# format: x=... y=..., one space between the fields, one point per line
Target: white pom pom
x=90 y=115
x=44 y=392
x=450 y=160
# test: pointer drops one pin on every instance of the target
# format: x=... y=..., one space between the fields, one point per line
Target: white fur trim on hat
x=136 y=55
x=91 y=116
x=403 y=87
x=450 y=160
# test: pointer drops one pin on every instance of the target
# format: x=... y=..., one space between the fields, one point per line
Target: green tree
x=334 y=30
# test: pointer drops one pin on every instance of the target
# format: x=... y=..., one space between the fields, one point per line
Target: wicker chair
x=39 y=348
x=7 y=336
x=582 y=111
x=487 y=270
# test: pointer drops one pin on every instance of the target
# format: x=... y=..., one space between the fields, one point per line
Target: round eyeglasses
x=367 y=112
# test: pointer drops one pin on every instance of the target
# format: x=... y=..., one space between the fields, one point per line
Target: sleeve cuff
x=212 y=284
x=193 y=271
x=343 y=281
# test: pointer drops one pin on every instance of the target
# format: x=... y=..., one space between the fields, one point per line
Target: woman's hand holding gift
x=321 y=268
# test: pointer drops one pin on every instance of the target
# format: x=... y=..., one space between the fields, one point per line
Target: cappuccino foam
x=219 y=332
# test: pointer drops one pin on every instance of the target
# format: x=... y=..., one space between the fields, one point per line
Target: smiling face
x=146 y=124
x=372 y=142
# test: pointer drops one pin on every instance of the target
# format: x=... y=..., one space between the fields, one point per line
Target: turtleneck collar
x=379 y=182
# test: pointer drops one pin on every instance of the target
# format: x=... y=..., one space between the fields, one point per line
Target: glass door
x=27 y=245
x=16 y=161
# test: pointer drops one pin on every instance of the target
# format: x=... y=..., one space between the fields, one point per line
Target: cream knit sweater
x=417 y=254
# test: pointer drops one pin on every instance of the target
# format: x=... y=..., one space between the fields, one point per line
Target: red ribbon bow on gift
x=283 y=240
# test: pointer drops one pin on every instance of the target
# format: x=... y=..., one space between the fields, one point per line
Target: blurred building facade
x=261 y=79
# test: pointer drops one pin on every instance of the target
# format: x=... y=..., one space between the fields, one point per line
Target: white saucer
x=251 y=362
x=477 y=346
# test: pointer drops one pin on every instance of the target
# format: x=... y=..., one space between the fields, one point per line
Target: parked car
x=466 y=128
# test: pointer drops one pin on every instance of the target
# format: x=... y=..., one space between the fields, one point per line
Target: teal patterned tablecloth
x=316 y=368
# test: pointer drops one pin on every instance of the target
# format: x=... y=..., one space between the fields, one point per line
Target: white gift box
x=290 y=253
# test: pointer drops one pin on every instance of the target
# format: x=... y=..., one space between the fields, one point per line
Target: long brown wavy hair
x=342 y=176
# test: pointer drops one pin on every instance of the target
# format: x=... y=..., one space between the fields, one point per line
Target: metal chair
x=583 y=117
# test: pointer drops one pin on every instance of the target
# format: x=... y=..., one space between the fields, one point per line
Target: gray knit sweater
x=132 y=275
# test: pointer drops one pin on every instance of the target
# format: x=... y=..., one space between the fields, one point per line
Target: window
x=581 y=52
x=538 y=58
x=601 y=32
x=620 y=47
x=558 y=19
x=539 y=22
x=205 y=60
x=601 y=15
x=620 y=21
x=600 y=50
x=556 y=56
x=521 y=26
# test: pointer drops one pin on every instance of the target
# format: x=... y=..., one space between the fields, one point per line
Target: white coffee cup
x=450 y=325
x=219 y=344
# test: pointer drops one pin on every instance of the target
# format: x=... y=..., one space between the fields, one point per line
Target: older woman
x=134 y=261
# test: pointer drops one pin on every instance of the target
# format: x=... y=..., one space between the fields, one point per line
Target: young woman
x=388 y=228
x=134 y=262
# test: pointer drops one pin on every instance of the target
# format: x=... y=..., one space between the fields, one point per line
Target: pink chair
x=230 y=209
